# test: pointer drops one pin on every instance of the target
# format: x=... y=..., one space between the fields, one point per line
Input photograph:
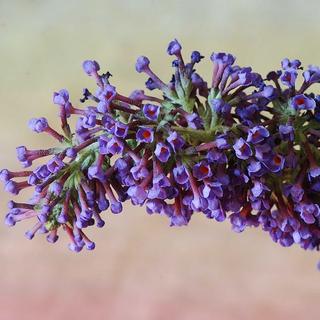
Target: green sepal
x=132 y=143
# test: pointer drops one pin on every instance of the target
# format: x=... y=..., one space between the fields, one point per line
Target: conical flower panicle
x=244 y=148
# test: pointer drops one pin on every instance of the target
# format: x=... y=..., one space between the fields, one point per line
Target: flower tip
x=29 y=235
x=61 y=97
x=75 y=248
x=11 y=187
x=142 y=64
x=116 y=207
x=90 y=246
x=100 y=224
x=174 y=47
x=9 y=220
x=4 y=175
x=196 y=57
x=38 y=124
x=90 y=67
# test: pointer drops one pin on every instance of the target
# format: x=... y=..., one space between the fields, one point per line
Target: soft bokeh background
x=141 y=269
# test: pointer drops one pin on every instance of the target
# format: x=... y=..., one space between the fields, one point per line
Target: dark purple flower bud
x=82 y=222
x=302 y=102
x=176 y=141
x=218 y=214
x=86 y=213
x=313 y=172
x=10 y=220
x=96 y=172
x=162 y=152
x=55 y=164
x=29 y=234
x=286 y=132
x=242 y=149
x=257 y=134
x=180 y=174
x=137 y=194
x=12 y=187
x=33 y=179
x=201 y=170
x=178 y=220
x=286 y=240
x=90 y=67
x=121 y=129
x=5 y=175
x=145 y=134
x=122 y=165
x=74 y=247
x=103 y=205
x=238 y=222
x=90 y=245
x=142 y=64
x=196 y=57
x=52 y=237
x=151 y=111
x=274 y=75
x=38 y=124
x=116 y=207
x=154 y=206
x=174 y=48
x=42 y=172
x=151 y=84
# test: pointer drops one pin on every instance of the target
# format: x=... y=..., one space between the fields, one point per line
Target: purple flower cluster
x=243 y=148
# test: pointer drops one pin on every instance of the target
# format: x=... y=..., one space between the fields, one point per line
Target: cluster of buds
x=243 y=148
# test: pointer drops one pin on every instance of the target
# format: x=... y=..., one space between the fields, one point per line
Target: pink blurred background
x=141 y=268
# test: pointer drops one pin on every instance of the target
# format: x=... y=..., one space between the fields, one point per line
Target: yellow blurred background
x=141 y=268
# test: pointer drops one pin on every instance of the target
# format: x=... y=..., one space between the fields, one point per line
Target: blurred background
x=141 y=268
